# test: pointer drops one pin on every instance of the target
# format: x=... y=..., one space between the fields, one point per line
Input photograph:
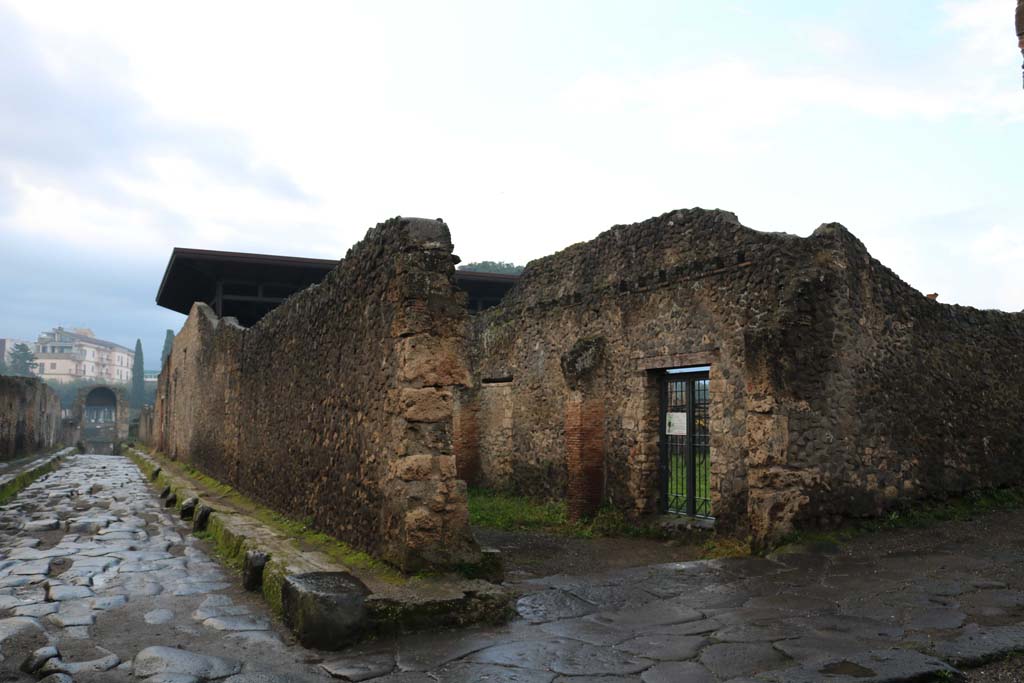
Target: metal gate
x=685 y=442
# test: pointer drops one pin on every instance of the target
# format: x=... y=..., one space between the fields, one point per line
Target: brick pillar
x=584 y=449
x=466 y=439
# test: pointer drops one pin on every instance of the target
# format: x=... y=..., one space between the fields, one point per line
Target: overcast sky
x=129 y=128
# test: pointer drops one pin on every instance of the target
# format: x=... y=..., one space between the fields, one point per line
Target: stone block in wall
x=427 y=360
x=426 y=404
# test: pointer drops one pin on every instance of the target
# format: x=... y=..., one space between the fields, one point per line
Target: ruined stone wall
x=337 y=406
x=582 y=337
x=869 y=394
x=30 y=417
x=836 y=389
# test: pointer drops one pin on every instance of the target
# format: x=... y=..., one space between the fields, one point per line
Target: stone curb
x=14 y=483
x=390 y=608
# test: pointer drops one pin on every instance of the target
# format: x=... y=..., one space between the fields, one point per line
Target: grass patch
x=718 y=547
x=516 y=513
x=495 y=510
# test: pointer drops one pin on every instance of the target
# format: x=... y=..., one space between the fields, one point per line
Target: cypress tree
x=168 y=343
x=138 y=395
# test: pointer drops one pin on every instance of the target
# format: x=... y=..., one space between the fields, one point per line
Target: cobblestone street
x=95 y=567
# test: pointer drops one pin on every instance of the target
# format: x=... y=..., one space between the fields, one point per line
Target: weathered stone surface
x=57 y=678
x=188 y=508
x=30 y=416
x=39 y=657
x=159 y=660
x=796 y=332
x=252 y=569
x=201 y=518
x=979 y=645
x=731 y=660
x=324 y=610
x=394 y=373
x=677 y=672
x=361 y=668
x=880 y=666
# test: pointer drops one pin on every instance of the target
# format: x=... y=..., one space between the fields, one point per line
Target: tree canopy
x=503 y=267
x=23 y=361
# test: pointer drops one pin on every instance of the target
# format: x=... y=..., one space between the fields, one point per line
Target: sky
x=129 y=128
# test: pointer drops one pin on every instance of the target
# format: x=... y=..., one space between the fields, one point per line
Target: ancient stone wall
x=836 y=389
x=337 y=406
x=30 y=417
x=864 y=394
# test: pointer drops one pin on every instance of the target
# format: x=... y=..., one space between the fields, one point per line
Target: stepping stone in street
x=360 y=668
x=239 y=623
x=61 y=593
x=159 y=616
x=168 y=660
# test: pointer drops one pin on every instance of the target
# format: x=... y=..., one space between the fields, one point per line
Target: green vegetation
x=495 y=510
x=138 y=396
x=168 y=343
x=301 y=532
x=517 y=513
x=16 y=485
x=677 y=483
x=502 y=267
x=23 y=361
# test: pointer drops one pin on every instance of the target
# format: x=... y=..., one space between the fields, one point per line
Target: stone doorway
x=685 y=442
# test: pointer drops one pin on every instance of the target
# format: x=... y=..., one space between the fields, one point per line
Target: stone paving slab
x=113 y=590
x=395 y=603
x=129 y=595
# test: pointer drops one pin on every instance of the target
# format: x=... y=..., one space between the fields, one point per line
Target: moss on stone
x=23 y=480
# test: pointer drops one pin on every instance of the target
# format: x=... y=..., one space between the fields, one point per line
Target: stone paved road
x=893 y=606
x=93 y=565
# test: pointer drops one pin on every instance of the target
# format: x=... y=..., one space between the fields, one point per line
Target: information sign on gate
x=675 y=424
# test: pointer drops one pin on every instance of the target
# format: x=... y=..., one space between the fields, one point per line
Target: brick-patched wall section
x=584 y=456
x=30 y=417
x=337 y=406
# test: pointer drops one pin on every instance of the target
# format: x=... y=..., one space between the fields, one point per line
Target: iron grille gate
x=685 y=444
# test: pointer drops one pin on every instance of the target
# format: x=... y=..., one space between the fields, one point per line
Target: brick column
x=466 y=438
x=584 y=450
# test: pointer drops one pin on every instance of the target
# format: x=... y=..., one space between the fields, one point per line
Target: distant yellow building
x=70 y=355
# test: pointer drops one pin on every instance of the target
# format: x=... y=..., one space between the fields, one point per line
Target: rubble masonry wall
x=30 y=417
x=837 y=390
x=337 y=406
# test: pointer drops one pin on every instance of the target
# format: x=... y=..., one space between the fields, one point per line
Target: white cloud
x=986 y=29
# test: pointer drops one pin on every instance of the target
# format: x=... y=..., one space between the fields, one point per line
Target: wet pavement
x=94 y=566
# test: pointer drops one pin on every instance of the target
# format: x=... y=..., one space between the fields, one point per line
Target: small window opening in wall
x=662 y=276
x=497 y=380
x=685 y=441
